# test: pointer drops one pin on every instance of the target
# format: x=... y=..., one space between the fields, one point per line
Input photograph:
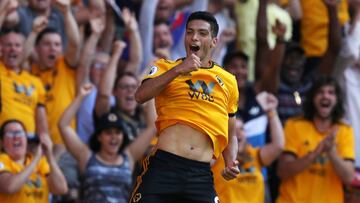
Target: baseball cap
x=109 y=120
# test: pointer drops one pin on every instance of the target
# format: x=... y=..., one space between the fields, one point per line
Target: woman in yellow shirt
x=27 y=177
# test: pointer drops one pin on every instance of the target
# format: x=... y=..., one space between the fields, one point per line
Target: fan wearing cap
x=107 y=163
x=24 y=176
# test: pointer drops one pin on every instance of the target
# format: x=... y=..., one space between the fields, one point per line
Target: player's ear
x=213 y=42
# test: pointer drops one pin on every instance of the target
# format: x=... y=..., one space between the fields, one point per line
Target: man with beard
x=318 y=159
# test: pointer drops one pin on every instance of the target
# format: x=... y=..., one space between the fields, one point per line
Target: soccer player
x=196 y=101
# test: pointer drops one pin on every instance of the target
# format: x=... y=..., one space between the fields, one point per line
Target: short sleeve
x=234 y=97
x=291 y=141
x=346 y=143
x=159 y=67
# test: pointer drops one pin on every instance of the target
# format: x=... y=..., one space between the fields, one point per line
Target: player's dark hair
x=206 y=16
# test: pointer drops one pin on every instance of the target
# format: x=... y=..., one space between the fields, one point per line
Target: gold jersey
x=203 y=100
x=35 y=189
x=59 y=83
x=318 y=183
x=314 y=25
x=20 y=95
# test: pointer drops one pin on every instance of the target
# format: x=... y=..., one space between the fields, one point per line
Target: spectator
x=56 y=68
x=27 y=177
x=292 y=88
x=85 y=124
x=162 y=41
x=122 y=86
x=289 y=83
x=23 y=95
x=249 y=185
x=91 y=66
x=107 y=164
x=319 y=152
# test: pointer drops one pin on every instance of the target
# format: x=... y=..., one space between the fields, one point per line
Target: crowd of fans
x=69 y=70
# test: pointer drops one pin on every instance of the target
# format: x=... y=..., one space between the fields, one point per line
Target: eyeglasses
x=98 y=65
x=127 y=87
x=15 y=133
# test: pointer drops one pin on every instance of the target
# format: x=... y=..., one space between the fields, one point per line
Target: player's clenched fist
x=191 y=63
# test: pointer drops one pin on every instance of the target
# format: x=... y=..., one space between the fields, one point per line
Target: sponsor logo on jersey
x=22 y=89
x=201 y=90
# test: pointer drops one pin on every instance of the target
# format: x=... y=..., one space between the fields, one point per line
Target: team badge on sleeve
x=1 y=165
x=219 y=80
x=153 y=70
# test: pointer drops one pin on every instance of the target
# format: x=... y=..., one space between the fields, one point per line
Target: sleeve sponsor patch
x=153 y=70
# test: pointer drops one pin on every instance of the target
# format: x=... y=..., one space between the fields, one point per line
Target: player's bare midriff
x=186 y=142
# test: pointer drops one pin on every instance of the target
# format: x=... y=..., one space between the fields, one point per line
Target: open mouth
x=114 y=143
x=52 y=57
x=17 y=144
x=12 y=56
x=194 y=48
x=130 y=99
x=325 y=103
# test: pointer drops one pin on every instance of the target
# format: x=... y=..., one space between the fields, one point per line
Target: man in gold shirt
x=196 y=101
x=318 y=159
x=56 y=69
x=22 y=95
